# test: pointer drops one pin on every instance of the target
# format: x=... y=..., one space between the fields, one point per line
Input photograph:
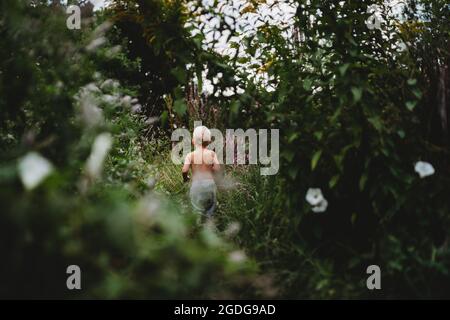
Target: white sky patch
x=246 y=22
x=98 y=4
x=278 y=13
x=245 y=19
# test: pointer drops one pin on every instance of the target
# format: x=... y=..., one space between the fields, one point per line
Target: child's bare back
x=203 y=163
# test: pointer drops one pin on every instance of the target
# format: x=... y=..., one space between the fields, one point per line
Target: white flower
x=136 y=108
x=151 y=120
x=104 y=27
x=321 y=207
x=100 y=148
x=237 y=256
x=228 y=92
x=232 y=229
x=95 y=44
x=91 y=115
x=110 y=99
x=150 y=182
x=97 y=75
x=126 y=101
x=148 y=209
x=92 y=87
x=424 y=169
x=33 y=169
x=113 y=51
x=316 y=199
x=314 y=196
x=109 y=84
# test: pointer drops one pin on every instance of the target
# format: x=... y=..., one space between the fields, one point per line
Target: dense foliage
x=357 y=108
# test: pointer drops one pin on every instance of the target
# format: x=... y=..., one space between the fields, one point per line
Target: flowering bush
x=72 y=136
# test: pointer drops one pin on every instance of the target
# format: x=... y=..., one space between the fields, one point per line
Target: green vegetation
x=93 y=111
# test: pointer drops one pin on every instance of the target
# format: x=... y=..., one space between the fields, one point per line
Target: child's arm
x=186 y=166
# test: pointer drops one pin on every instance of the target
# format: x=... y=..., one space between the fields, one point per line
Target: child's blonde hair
x=201 y=136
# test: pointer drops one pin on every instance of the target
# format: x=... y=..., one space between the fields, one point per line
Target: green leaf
x=307 y=84
x=234 y=45
x=343 y=68
x=198 y=73
x=357 y=93
x=362 y=181
x=164 y=117
x=293 y=137
x=180 y=74
x=315 y=159
x=180 y=107
x=353 y=217
x=417 y=93
x=234 y=108
x=412 y=82
x=288 y=155
x=318 y=135
x=411 y=105
x=334 y=181
x=376 y=123
x=293 y=171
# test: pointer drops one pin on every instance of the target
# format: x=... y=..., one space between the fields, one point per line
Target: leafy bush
x=354 y=112
x=129 y=242
x=357 y=108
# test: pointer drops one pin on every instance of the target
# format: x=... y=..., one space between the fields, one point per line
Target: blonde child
x=204 y=166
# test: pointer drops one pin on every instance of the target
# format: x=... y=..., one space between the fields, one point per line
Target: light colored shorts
x=203 y=196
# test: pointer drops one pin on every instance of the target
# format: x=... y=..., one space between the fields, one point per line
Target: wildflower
x=110 y=99
x=91 y=115
x=100 y=148
x=316 y=199
x=424 y=169
x=126 y=101
x=321 y=207
x=113 y=51
x=95 y=44
x=228 y=92
x=150 y=182
x=314 y=196
x=151 y=120
x=148 y=209
x=136 y=108
x=237 y=256
x=109 y=84
x=33 y=169
x=232 y=229
x=103 y=28
x=92 y=87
